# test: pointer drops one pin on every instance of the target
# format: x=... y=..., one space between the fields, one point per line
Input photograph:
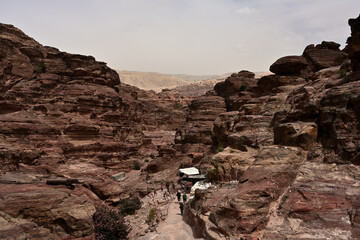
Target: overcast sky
x=183 y=36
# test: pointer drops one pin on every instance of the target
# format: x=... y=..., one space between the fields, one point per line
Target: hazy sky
x=183 y=36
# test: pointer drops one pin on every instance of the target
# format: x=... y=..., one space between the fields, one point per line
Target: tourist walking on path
x=181 y=208
x=166 y=195
x=178 y=194
x=162 y=187
x=167 y=184
x=184 y=197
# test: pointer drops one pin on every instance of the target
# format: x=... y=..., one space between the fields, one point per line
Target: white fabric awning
x=189 y=171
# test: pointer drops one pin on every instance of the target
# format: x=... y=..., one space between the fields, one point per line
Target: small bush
x=212 y=175
x=219 y=149
x=151 y=215
x=232 y=151
x=129 y=206
x=342 y=72
x=109 y=224
x=137 y=166
x=152 y=156
x=242 y=88
x=40 y=68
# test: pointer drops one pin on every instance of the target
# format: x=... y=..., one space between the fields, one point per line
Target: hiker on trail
x=178 y=194
x=181 y=208
x=162 y=187
x=173 y=186
x=154 y=192
x=167 y=184
x=184 y=197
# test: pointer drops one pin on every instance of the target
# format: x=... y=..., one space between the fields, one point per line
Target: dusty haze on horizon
x=183 y=36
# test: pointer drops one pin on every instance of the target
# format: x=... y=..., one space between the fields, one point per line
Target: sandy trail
x=173 y=228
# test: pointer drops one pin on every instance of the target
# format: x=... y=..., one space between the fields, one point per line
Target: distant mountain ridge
x=158 y=81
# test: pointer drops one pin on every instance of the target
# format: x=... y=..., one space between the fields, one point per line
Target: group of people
x=181 y=204
x=167 y=194
x=184 y=196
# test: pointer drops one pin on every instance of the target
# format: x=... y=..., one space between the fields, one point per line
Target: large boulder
x=324 y=55
x=300 y=134
x=237 y=82
x=289 y=65
x=59 y=210
x=271 y=83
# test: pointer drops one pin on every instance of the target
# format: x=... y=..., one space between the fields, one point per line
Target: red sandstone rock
x=324 y=55
x=354 y=43
x=301 y=134
x=67 y=115
x=289 y=65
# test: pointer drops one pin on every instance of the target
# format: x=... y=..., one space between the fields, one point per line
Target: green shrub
x=129 y=206
x=151 y=215
x=232 y=151
x=342 y=72
x=109 y=224
x=212 y=175
x=40 y=68
x=137 y=165
x=219 y=149
x=242 y=88
x=152 y=156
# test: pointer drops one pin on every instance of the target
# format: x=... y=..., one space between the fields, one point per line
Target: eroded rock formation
x=292 y=143
x=284 y=148
x=68 y=116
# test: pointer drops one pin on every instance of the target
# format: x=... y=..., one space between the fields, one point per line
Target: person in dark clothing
x=167 y=186
x=178 y=194
x=181 y=208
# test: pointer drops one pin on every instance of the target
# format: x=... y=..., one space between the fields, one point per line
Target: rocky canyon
x=282 y=151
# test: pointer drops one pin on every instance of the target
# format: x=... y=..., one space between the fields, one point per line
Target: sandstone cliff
x=66 y=116
x=291 y=142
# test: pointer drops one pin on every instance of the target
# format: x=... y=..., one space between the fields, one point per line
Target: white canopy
x=189 y=171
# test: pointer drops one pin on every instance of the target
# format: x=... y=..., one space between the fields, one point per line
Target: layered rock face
x=293 y=146
x=68 y=116
x=284 y=148
x=354 y=43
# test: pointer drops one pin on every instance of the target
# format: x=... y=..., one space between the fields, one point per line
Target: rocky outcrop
x=314 y=58
x=324 y=55
x=235 y=89
x=66 y=116
x=199 y=122
x=326 y=208
x=289 y=65
x=303 y=187
x=354 y=44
